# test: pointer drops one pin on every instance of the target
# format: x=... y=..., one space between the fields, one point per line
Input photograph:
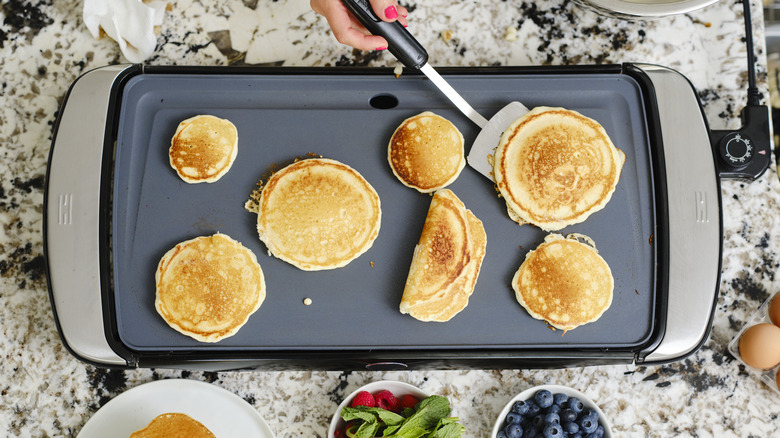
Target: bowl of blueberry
x=551 y=411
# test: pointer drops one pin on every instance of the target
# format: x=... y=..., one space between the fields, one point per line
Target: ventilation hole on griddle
x=383 y=101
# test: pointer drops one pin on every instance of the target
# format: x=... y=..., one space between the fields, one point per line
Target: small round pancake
x=318 y=214
x=203 y=148
x=174 y=425
x=564 y=282
x=555 y=167
x=208 y=287
x=426 y=152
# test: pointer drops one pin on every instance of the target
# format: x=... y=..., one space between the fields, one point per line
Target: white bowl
x=646 y=8
x=398 y=389
x=528 y=394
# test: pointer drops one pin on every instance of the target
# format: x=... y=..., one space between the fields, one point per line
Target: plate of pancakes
x=176 y=408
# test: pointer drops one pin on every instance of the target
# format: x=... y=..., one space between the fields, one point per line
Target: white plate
x=222 y=412
x=571 y=392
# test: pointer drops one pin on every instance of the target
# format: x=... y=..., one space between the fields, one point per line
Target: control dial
x=736 y=149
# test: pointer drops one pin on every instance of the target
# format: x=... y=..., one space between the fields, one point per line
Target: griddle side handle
x=72 y=217
x=695 y=231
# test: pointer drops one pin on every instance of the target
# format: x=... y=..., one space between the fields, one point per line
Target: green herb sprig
x=428 y=419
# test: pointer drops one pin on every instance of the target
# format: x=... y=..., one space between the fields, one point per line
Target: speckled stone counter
x=44 y=47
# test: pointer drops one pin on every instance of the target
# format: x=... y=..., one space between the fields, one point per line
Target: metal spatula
x=412 y=54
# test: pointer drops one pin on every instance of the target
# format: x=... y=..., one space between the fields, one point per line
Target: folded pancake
x=446 y=261
x=173 y=425
x=318 y=214
x=203 y=148
x=426 y=152
x=555 y=167
x=564 y=282
x=208 y=287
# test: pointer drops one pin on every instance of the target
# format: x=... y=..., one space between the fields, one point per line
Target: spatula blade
x=489 y=136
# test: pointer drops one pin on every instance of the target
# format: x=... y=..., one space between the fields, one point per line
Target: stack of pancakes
x=564 y=282
x=426 y=152
x=174 y=425
x=446 y=261
x=555 y=167
x=318 y=214
x=208 y=287
x=203 y=148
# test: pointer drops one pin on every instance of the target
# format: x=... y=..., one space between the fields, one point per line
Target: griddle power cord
x=744 y=154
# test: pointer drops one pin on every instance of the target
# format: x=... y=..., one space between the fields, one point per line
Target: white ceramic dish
x=646 y=8
x=571 y=392
x=398 y=389
x=222 y=412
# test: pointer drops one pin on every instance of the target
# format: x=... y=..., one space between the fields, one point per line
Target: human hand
x=348 y=30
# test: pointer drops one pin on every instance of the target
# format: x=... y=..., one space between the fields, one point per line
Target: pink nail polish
x=391 y=13
x=381 y=48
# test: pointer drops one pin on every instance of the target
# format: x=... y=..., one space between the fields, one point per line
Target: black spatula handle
x=399 y=41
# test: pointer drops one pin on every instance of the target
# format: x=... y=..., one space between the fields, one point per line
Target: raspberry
x=363 y=398
x=387 y=401
x=408 y=401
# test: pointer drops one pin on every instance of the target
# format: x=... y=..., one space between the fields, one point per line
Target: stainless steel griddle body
x=113 y=207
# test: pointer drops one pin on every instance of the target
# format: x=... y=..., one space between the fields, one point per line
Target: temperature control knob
x=736 y=149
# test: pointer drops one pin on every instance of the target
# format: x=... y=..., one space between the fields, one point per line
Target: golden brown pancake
x=173 y=425
x=208 y=287
x=446 y=261
x=318 y=214
x=555 y=167
x=203 y=148
x=426 y=152
x=564 y=282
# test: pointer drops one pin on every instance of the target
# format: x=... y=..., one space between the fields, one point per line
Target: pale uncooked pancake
x=446 y=261
x=174 y=425
x=208 y=287
x=564 y=282
x=426 y=152
x=203 y=148
x=555 y=167
x=318 y=214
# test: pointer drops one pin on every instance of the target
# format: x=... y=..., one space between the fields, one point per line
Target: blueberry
x=513 y=417
x=552 y=418
x=554 y=409
x=553 y=431
x=538 y=421
x=501 y=434
x=533 y=408
x=514 y=431
x=560 y=399
x=576 y=435
x=570 y=427
x=568 y=416
x=598 y=433
x=543 y=398
x=588 y=424
x=589 y=412
x=520 y=407
x=575 y=404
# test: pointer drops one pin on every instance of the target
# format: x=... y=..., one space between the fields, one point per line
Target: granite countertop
x=44 y=391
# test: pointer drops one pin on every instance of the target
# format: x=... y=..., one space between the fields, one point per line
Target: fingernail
x=391 y=13
x=381 y=48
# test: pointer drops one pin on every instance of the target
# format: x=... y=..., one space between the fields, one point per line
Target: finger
x=346 y=28
x=386 y=10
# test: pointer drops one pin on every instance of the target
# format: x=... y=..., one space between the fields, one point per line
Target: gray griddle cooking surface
x=280 y=117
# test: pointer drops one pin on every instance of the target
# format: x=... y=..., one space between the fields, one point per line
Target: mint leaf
x=447 y=428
